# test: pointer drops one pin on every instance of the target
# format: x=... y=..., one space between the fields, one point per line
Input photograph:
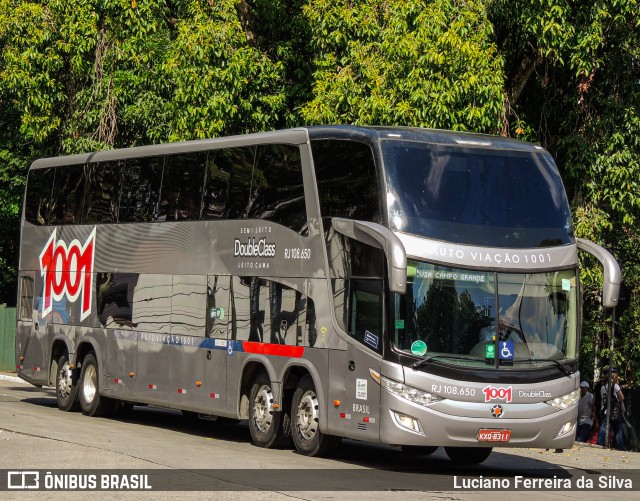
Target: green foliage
x=573 y=83
x=95 y=74
x=429 y=64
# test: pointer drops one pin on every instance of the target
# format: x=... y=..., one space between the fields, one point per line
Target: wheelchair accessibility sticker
x=506 y=350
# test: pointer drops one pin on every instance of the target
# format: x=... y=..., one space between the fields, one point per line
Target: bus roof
x=296 y=136
x=435 y=136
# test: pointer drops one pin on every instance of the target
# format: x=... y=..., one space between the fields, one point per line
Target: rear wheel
x=305 y=422
x=468 y=455
x=66 y=386
x=91 y=402
x=265 y=424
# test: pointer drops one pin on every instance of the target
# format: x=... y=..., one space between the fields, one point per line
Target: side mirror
x=378 y=236
x=611 y=280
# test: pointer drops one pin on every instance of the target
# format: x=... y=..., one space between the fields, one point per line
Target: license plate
x=494 y=435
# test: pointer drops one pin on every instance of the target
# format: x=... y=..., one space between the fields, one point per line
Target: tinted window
x=292 y=316
x=101 y=201
x=152 y=299
x=238 y=162
x=141 y=180
x=216 y=192
x=264 y=311
x=365 y=312
x=277 y=192
x=38 y=196
x=347 y=180
x=182 y=187
x=240 y=307
x=68 y=195
x=25 y=311
x=188 y=305
x=218 y=314
x=115 y=298
x=476 y=196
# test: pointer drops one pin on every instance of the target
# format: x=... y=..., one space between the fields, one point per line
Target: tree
x=573 y=85
x=421 y=63
x=98 y=74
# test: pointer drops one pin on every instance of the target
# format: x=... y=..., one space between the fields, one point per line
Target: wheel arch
x=59 y=347
x=250 y=370
x=293 y=373
x=88 y=345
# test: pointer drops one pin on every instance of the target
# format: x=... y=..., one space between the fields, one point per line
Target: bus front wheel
x=91 y=402
x=66 y=386
x=265 y=424
x=468 y=455
x=305 y=422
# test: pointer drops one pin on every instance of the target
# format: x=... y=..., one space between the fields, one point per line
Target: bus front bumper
x=405 y=423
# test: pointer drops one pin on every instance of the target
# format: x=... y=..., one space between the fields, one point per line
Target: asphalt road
x=208 y=460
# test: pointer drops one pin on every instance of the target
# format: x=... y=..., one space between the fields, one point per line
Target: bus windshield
x=451 y=315
x=495 y=198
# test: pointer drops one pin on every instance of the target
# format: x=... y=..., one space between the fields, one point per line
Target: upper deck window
x=498 y=198
x=347 y=180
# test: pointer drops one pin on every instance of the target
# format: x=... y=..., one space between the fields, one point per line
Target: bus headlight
x=568 y=427
x=401 y=390
x=565 y=401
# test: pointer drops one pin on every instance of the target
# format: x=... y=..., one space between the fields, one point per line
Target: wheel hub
x=90 y=383
x=64 y=381
x=308 y=415
x=263 y=409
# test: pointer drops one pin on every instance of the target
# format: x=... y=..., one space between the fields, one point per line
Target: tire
x=419 y=450
x=305 y=422
x=66 y=386
x=265 y=424
x=91 y=402
x=468 y=455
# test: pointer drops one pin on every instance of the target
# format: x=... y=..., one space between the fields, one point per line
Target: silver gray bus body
x=151 y=360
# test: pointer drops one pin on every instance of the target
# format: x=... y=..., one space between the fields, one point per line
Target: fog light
x=567 y=428
x=407 y=422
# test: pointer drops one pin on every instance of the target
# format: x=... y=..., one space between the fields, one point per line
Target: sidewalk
x=11 y=376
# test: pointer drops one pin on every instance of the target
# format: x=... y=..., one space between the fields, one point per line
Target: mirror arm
x=611 y=280
x=378 y=236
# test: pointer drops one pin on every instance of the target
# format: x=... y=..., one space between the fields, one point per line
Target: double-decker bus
x=411 y=287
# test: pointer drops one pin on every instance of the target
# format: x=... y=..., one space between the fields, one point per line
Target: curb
x=12 y=379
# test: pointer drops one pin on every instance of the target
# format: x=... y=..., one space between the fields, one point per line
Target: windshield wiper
x=560 y=366
x=421 y=363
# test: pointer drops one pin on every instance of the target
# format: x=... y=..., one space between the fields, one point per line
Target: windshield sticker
x=371 y=339
x=399 y=324
x=361 y=389
x=566 y=284
x=507 y=350
x=478 y=278
x=418 y=347
x=490 y=351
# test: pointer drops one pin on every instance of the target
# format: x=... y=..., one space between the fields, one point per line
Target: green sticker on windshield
x=489 y=351
x=418 y=347
x=399 y=324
